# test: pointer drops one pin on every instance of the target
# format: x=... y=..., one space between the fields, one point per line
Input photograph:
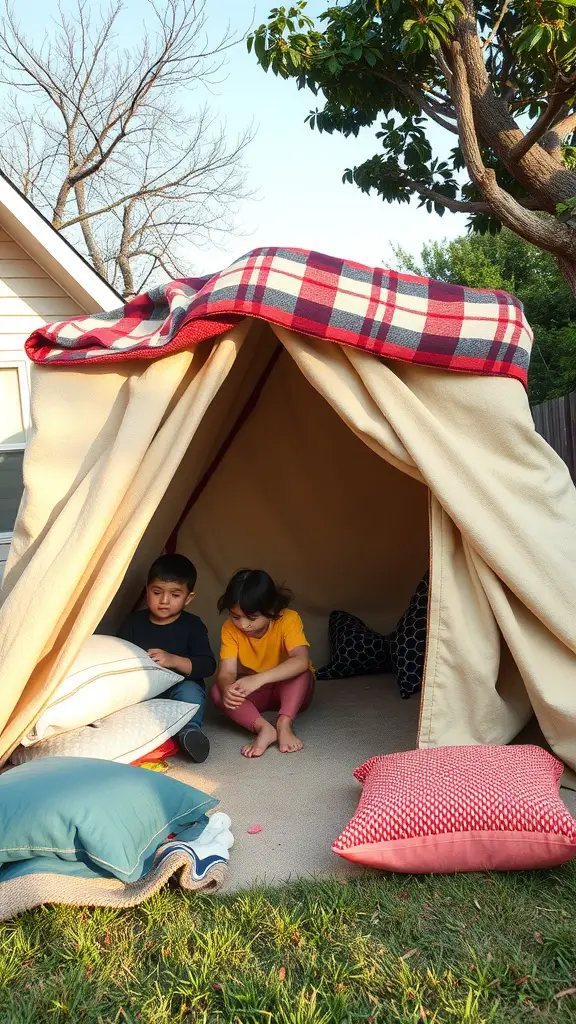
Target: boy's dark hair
x=173 y=569
x=255 y=592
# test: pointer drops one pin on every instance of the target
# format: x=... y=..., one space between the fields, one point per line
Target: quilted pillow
x=355 y=649
x=109 y=674
x=408 y=642
x=126 y=736
x=460 y=809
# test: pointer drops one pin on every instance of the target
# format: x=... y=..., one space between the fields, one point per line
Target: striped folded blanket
x=397 y=316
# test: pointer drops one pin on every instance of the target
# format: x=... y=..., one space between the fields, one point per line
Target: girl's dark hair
x=255 y=592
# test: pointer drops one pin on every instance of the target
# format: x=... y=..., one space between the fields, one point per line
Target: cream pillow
x=109 y=674
x=125 y=736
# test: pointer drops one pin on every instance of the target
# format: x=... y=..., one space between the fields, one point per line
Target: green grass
x=394 y=950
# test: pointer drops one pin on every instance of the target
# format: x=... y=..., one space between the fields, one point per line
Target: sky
x=294 y=173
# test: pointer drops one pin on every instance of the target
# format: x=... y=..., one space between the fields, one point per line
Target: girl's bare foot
x=265 y=737
x=287 y=739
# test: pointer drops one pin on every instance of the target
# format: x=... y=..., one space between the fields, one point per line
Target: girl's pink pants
x=287 y=698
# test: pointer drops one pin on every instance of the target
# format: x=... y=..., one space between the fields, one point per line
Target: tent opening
x=298 y=494
x=294 y=491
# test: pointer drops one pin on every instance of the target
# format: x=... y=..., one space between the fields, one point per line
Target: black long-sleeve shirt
x=186 y=637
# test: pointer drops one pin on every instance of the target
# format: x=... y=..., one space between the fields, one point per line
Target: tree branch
x=550 y=235
x=444 y=66
x=539 y=172
x=508 y=60
x=555 y=104
x=441 y=100
x=458 y=205
x=419 y=99
x=497 y=24
x=86 y=226
x=562 y=129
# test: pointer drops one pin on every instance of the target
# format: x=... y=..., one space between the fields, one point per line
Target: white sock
x=217 y=823
x=216 y=839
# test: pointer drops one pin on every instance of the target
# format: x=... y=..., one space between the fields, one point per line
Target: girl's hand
x=247 y=685
x=161 y=658
x=232 y=697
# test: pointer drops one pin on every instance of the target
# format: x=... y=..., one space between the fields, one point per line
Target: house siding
x=29 y=297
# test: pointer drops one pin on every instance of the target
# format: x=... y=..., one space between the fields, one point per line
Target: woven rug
x=175 y=860
x=26 y=892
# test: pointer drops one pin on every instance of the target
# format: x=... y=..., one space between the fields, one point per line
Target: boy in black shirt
x=177 y=641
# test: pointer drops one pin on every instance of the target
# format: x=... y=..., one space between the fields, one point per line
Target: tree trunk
x=123 y=258
x=568 y=270
x=60 y=206
x=86 y=226
x=540 y=173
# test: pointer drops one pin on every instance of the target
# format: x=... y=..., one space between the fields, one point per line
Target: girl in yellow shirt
x=264 y=661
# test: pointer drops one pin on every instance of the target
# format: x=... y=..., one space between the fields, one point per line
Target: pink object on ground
x=255 y=828
x=287 y=698
x=472 y=808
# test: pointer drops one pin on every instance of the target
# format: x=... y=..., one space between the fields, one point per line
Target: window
x=13 y=424
x=11 y=414
x=11 y=487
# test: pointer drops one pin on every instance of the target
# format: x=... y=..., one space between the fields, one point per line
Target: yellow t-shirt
x=259 y=655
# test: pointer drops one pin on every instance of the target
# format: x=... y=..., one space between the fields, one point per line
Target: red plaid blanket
x=394 y=315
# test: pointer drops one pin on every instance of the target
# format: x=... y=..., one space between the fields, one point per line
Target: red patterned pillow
x=460 y=809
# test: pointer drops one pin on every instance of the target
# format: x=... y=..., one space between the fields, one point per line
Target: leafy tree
x=498 y=76
x=507 y=262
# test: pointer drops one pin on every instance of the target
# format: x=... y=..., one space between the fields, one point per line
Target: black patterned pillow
x=355 y=649
x=408 y=642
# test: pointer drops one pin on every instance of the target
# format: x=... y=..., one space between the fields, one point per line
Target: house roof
x=50 y=250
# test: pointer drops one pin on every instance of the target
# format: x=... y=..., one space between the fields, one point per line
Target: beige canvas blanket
x=103 y=457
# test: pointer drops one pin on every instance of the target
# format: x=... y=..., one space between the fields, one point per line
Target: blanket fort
x=399 y=316
x=297 y=412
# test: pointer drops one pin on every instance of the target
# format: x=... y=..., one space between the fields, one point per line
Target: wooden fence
x=556 y=422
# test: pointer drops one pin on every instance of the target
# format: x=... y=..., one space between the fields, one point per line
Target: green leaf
x=409 y=22
x=547 y=36
x=250 y=43
x=260 y=47
x=568 y=204
x=529 y=38
x=440 y=28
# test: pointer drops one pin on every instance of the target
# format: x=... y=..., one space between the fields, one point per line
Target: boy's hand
x=161 y=658
x=232 y=697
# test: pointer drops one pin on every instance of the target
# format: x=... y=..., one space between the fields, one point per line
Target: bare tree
x=105 y=140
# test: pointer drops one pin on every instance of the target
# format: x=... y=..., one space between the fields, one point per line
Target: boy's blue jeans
x=191 y=692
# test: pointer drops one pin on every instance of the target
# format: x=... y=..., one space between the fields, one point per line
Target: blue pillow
x=95 y=812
